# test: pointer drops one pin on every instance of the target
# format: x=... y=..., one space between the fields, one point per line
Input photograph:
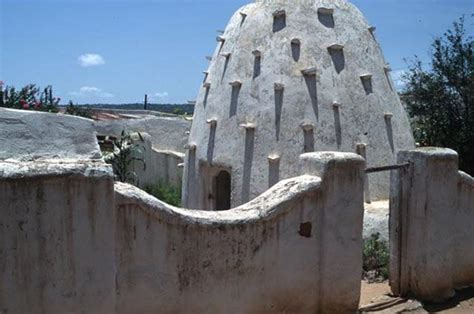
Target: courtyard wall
x=431 y=226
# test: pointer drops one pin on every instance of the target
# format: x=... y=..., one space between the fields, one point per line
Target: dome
x=289 y=77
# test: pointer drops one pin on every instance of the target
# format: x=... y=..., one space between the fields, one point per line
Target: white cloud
x=162 y=94
x=91 y=91
x=91 y=59
x=397 y=79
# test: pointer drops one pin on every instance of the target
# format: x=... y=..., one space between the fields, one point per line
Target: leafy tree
x=440 y=100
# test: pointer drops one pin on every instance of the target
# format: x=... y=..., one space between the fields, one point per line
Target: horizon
x=116 y=51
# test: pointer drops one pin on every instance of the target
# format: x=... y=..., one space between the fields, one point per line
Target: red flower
x=22 y=101
x=37 y=104
x=26 y=106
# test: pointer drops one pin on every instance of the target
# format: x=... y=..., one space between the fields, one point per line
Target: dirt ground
x=375 y=298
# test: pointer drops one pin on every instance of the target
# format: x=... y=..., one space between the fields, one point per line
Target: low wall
x=57 y=229
x=431 y=226
x=464 y=233
x=166 y=133
x=31 y=135
x=71 y=242
x=160 y=166
x=296 y=248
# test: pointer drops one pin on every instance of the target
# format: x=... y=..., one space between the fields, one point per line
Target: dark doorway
x=222 y=188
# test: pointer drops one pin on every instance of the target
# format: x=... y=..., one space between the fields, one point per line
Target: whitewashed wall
x=70 y=244
x=57 y=229
x=296 y=248
x=32 y=135
x=464 y=231
x=166 y=133
x=159 y=166
x=431 y=226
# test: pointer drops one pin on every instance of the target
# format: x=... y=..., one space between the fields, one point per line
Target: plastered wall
x=167 y=133
x=296 y=248
x=431 y=226
x=158 y=166
x=57 y=226
x=74 y=242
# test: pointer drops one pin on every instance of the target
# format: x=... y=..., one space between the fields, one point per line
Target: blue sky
x=115 y=51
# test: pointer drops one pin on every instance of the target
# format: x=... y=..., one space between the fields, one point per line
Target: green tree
x=440 y=99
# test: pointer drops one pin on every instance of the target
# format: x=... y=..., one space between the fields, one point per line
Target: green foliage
x=127 y=148
x=179 y=111
x=440 y=100
x=376 y=258
x=166 y=193
x=84 y=112
x=29 y=97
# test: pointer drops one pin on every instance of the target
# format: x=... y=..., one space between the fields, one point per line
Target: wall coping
x=270 y=204
x=55 y=168
x=466 y=178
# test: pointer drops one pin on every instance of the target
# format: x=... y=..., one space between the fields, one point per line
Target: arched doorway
x=222 y=188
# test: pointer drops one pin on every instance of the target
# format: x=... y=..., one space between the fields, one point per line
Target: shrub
x=179 y=111
x=126 y=149
x=375 y=258
x=165 y=192
x=29 y=97
x=73 y=110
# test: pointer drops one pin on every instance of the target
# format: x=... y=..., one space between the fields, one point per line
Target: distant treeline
x=168 y=108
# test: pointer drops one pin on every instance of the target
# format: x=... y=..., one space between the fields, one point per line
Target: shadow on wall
x=311 y=82
x=338 y=60
x=326 y=18
x=248 y=162
x=279 y=91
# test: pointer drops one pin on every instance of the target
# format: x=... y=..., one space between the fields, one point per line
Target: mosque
x=289 y=77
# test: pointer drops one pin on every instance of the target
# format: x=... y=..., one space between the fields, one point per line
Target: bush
x=84 y=112
x=375 y=259
x=127 y=148
x=167 y=193
x=29 y=97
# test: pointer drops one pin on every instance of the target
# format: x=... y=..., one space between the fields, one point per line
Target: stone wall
x=431 y=226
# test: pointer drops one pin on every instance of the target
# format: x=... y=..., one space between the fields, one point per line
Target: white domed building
x=290 y=77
